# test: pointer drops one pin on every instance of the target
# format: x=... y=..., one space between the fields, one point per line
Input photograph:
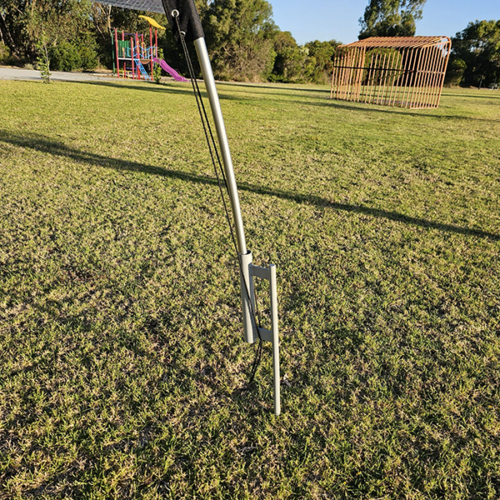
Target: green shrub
x=70 y=56
x=65 y=57
x=318 y=65
x=455 y=72
x=88 y=54
x=157 y=68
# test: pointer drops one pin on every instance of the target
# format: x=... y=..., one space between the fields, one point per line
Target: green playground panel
x=123 y=46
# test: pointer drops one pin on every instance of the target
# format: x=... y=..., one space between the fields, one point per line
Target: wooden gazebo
x=392 y=71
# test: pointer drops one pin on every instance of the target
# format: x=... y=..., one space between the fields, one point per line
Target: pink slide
x=169 y=70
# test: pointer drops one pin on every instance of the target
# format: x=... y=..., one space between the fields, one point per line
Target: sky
x=338 y=19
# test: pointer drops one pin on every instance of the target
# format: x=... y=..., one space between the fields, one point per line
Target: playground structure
x=392 y=71
x=132 y=58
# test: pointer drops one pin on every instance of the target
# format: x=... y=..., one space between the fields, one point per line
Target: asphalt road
x=8 y=73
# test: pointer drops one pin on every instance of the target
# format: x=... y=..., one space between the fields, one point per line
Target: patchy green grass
x=121 y=355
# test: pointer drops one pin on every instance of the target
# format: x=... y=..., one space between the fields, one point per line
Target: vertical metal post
x=248 y=270
x=247 y=287
x=276 y=349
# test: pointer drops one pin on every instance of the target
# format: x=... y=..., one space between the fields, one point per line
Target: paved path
x=31 y=74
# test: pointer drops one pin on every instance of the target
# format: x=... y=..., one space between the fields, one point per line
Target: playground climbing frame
x=132 y=58
x=392 y=71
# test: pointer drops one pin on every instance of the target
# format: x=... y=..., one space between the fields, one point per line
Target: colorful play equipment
x=132 y=58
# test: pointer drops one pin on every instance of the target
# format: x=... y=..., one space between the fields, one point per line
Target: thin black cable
x=212 y=144
x=206 y=124
x=199 y=99
x=197 y=92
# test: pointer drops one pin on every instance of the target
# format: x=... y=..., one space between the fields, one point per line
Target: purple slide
x=169 y=70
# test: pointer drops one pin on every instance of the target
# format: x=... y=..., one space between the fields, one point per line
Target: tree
x=319 y=62
x=240 y=38
x=13 y=16
x=455 y=71
x=289 y=60
x=476 y=50
x=102 y=20
x=391 y=18
x=42 y=28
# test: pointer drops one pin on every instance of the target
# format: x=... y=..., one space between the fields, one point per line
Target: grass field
x=122 y=365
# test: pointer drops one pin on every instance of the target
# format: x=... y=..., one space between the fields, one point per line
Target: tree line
x=475 y=53
x=244 y=42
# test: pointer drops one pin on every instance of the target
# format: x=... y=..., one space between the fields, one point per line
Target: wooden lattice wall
x=392 y=71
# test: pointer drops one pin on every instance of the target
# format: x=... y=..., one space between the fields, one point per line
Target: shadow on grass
x=183 y=89
x=42 y=144
x=374 y=108
x=490 y=96
x=166 y=89
x=277 y=86
x=175 y=87
x=281 y=86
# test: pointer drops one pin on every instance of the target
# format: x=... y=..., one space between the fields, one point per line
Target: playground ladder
x=141 y=68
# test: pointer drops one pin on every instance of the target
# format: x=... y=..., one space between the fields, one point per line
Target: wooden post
x=151 y=50
x=373 y=78
x=426 y=75
x=383 y=72
x=132 y=54
x=369 y=77
x=360 y=60
x=432 y=72
x=395 y=90
x=334 y=76
x=349 y=74
x=437 y=74
x=391 y=75
x=418 y=80
x=343 y=64
x=443 y=71
x=410 y=73
x=362 y=88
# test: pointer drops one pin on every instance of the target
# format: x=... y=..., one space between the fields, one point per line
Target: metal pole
x=208 y=77
x=246 y=256
x=276 y=345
